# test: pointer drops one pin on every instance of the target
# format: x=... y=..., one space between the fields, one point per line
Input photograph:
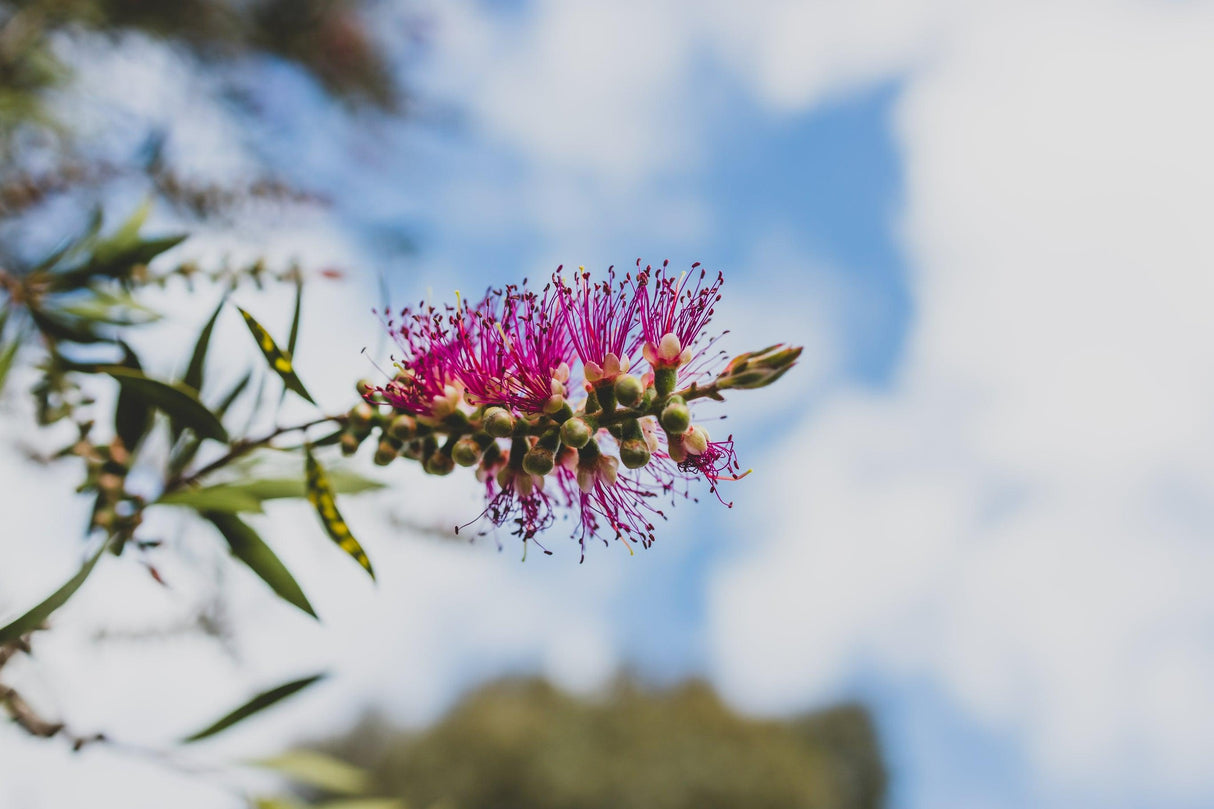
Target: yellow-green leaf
x=278 y=359
x=320 y=495
x=249 y=548
x=318 y=770
x=258 y=703
x=213 y=498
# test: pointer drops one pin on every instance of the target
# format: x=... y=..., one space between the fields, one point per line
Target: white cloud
x=1025 y=518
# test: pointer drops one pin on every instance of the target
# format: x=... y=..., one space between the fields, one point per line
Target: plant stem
x=245 y=446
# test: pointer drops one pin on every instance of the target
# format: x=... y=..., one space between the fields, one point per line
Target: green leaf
x=36 y=616
x=294 y=336
x=73 y=330
x=320 y=495
x=248 y=496
x=8 y=353
x=278 y=359
x=249 y=548
x=212 y=498
x=318 y=770
x=132 y=412
x=193 y=373
x=189 y=448
x=114 y=309
x=257 y=704
x=177 y=401
x=363 y=803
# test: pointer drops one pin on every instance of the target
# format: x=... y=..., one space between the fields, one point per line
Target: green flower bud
x=634 y=453
x=402 y=427
x=349 y=443
x=364 y=387
x=675 y=418
x=629 y=390
x=361 y=415
x=439 y=463
x=538 y=461
x=385 y=453
x=575 y=433
x=498 y=422
x=466 y=451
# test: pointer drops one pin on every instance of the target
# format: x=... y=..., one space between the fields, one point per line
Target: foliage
x=523 y=744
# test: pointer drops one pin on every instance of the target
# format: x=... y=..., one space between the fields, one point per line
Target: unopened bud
x=109 y=484
x=439 y=463
x=466 y=452
x=575 y=433
x=759 y=369
x=365 y=387
x=538 y=461
x=675 y=418
x=629 y=390
x=695 y=440
x=361 y=414
x=349 y=443
x=498 y=422
x=402 y=427
x=385 y=453
x=634 y=453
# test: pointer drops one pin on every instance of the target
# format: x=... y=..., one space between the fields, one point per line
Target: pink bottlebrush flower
x=512 y=350
x=713 y=460
x=518 y=498
x=610 y=500
x=601 y=318
x=425 y=383
x=674 y=313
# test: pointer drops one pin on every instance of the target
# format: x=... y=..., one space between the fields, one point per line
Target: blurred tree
x=522 y=744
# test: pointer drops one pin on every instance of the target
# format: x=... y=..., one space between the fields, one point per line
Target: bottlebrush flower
x=489 y=384
x=674 y=313
x=601 y=318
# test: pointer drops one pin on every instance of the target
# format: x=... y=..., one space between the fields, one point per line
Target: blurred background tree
x=522 y=744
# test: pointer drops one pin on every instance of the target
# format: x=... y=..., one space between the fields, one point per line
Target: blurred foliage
x=73 y=317
x=522 y=744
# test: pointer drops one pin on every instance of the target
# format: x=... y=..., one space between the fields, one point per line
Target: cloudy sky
x=983 y=504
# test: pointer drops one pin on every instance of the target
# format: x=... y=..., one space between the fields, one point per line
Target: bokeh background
x=982 y=506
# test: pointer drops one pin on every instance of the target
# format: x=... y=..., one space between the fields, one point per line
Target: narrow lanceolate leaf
x=257 y=704
x=8 y=353
x=193 y=373
x=320 y=495
x=188 y=449
x=248 y=495
x=36 y=616
x=318 y=770
x=212 y=498
x=293 y=338
x=278 y=359
x=133 y=411
x=249 y=548
x=178 y=401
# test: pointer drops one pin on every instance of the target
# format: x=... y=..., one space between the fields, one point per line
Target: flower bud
x=365 y=387
x=629 y=390
x=402 y=427
x=349 y=443
x=498 y=422
x=575 y=433
x=695 y=440
x=634 y=453
x=385 y=453
x=538 y=461
x=361 y=414
x=466 y=452
x=675 y=418
x=758 y=369
x=439 y=463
